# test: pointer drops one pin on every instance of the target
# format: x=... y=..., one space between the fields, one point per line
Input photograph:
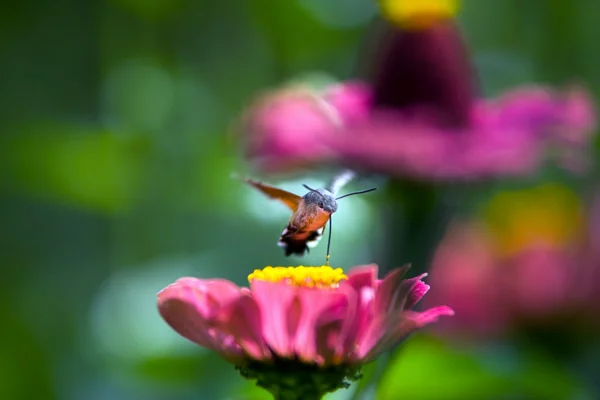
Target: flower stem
x=414 y=221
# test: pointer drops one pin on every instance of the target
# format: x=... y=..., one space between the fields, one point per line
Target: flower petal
x=194 y=309
x=352 y=100
x=317 y=307
x=285 y=128
x=363 y=281
x=391 y=143
x=390 y=300
x=429 y=316
x=212 y=293
x=465 y=275
x=401 y=325
x=538 y=108
x=419 y=289
x=336 y=326
x=275 y=302
x=579 y=114
x=363 y=276
x=393 y=291
x=246 y=328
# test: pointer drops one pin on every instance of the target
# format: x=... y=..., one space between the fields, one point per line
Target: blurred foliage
x=115 y=160
x=428 y=369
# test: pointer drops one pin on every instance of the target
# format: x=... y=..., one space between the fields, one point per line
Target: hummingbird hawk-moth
x=310 y=213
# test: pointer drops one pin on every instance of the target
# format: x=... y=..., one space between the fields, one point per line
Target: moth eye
x=321 y=205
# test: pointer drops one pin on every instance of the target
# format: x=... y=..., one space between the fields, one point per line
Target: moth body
x=307 y=223
x=310 y=213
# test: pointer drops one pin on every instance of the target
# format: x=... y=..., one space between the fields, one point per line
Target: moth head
x=322 y=198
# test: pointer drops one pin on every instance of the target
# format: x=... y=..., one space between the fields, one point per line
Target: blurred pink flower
x=419 y=117
x=539 y=268
x=311 y=316
x=288 y=124
x=558 y=290
x=466 y=274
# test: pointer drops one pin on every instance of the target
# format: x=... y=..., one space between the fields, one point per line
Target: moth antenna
x=328 y=256
x=309 y=188
x=359 y=192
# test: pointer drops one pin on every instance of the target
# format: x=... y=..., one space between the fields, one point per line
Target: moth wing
x=289 y=199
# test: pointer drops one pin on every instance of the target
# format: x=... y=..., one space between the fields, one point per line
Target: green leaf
x=25 y=367
x=545 y=378
x=90 y=168
x=428 y=369
x=297 y=39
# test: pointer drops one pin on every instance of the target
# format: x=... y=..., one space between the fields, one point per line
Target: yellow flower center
x=312 y=277
x=418 y=14
x=548 y=214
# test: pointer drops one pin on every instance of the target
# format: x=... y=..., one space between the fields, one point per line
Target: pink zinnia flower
x=301 y=330
x=530 y=262
x=419 y=116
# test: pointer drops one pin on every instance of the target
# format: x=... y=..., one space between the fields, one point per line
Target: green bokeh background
x=116 y=151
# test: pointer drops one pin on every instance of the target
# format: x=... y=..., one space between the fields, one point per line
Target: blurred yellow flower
x=549 y=214
x=418 y=14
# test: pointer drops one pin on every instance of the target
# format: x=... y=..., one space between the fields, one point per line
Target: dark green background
x=115 y=160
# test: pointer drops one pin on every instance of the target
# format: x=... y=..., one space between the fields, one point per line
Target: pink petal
x=579 y=114
x=186 y=307
x=594 y=224
x=389 y=320
x=328 y=340
x=371 y=333
x=419 y=289
x=285 y=128
x=494 y=151
x=507 y=137
x=363 y=281
x=393 y=291
x=276 y=302
x=399 y=326
x=527 y=107
x=428 y=316
x=246 y=328
x=390 y=299
x=212 y=293
x=363 y=276
x=336 y=326
x=316 y=307
x=392 y=144
x=352 y=100
x=465 y=275
x=538 y=108
x=183 y=316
